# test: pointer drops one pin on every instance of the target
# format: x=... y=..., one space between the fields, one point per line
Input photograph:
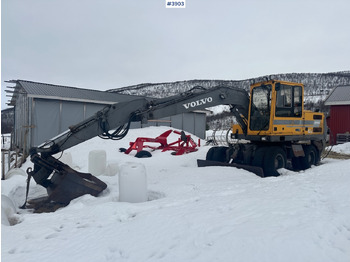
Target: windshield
x=260 y=108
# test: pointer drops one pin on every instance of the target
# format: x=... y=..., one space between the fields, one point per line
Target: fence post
x=9 y=160
x=16 y=158
x=3 y=164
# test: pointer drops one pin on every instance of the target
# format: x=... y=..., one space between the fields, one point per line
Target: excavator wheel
x=296 y=163
x=311 y=157
x=274 y=159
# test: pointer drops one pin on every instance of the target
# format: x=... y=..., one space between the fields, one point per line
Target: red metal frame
x=183 y=145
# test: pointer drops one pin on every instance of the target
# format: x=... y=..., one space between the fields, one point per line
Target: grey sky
x=114 y=43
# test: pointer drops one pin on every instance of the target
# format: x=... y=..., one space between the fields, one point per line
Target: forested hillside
x=317 y=87
x=314 y=83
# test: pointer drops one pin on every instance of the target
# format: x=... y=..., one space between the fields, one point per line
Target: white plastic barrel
x=97 y=162
x=132 y=183
x=7 y=210
x=112 y=169
x=15 y=171
x=67 y=158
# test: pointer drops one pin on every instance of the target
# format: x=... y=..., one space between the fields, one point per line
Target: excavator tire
x=311 y=157
x=296 y=163
x=274 y=159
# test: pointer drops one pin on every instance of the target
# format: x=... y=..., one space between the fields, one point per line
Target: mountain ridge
x=314 y=83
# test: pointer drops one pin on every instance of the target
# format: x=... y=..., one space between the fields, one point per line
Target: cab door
x=288 y=110
x=260 y=109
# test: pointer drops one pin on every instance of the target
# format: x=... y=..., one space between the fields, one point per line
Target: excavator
x=272 y=130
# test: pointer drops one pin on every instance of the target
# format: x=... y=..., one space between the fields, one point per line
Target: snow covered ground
x=193 y=214
x=341 y=149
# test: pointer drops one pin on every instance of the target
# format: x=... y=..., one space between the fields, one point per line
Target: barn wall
x=52 y=117
x=46 y=119
x=22 y=125
x=189 y=123
x=339 y=121
x=200 y=125
x=70 y=113
x=177 y=122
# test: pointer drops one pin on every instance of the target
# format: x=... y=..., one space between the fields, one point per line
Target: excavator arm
x=113 y=122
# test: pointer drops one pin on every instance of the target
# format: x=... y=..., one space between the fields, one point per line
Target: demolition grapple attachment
x=62 y=182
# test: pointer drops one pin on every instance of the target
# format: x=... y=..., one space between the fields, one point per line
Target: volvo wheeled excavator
x=271 y=120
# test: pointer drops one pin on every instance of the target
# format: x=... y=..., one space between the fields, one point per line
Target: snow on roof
x=340 y=95
x=50 y=91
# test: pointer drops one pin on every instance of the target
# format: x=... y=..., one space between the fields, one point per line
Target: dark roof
x=340 y=95
x=49 y=91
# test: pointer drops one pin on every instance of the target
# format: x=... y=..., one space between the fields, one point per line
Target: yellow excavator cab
x=276 y=112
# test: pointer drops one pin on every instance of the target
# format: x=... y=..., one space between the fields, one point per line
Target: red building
x=339 y=119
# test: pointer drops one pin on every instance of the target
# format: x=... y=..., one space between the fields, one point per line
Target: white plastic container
x=7 y=210
x=97 y=162
x=67 y=158
x=112 y=169
x=132 y=183
x=15 y=172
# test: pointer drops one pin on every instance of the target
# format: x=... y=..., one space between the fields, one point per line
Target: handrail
x=14 y=160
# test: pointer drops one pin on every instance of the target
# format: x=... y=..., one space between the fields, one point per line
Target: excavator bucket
x=61 y=181
x=69 y=184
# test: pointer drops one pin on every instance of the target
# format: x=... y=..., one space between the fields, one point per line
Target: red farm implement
x=183 y=145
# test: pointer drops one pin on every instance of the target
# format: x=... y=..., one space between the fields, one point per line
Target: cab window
x=288 y=101
x=298 y=101
x=260 y=108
